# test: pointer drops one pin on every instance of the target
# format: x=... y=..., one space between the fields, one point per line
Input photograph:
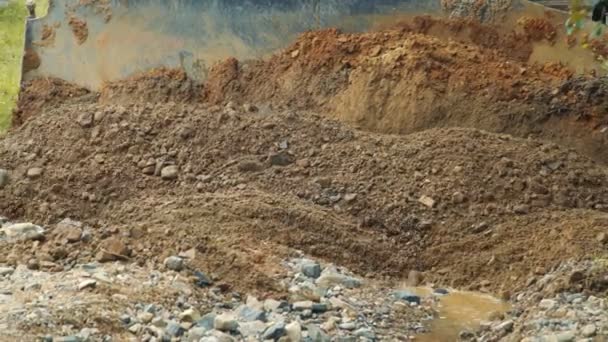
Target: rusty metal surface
x=124 y=37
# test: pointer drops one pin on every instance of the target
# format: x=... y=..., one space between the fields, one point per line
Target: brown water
x=459 y=310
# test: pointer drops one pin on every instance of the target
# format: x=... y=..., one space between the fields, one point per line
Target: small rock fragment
x=86 y=284
x=24 y=231
x=311 y=269
x=293 y=331
x=34 y=172
x=169 y=172
x=304 y=305
x=282 y=158
x=225 y=322
x=174 y=263
x=427 y=201
x=6 y=271
x=589 y=330
x=602 y=237
x=274 y=332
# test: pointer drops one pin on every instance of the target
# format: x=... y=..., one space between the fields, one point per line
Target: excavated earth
x=453 y=157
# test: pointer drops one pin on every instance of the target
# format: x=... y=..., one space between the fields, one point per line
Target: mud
x=79 y=28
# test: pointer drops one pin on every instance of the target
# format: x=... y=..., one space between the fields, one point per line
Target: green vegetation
x=12 y=25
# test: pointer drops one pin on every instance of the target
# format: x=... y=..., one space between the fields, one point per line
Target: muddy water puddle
x=458 y=310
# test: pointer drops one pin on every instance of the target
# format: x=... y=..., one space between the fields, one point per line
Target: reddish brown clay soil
x=80 y=29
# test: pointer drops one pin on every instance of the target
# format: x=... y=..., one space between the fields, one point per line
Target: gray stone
x=272 y=305
x=407 y=296
x=365 y=332
x=225 y=322
x=311 y=269
x=304 y=305
x=589 y=330
x=252 y=329
x=504 y=326
x=207 y=321
x=174 y=263
x=190 y=315
x=566 y=336
x=547 y=304
x=174 y=329
x=24 y=231
x=281 y=159
x=34 y=172
x=319 y=307
x=249 y=314
x=274 y=332
x=293 y=331
x=4 y=178
x=125 y=319
x=332 y=278
x=67 y=339
x=6 y=271
x=315 y=334
x=348 y=326
x=169 y=172
x=196 y=333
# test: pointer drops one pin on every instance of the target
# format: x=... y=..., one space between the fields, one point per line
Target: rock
x=304 y=305
x=68 y=230
x=332 y=278
x=315 y=334
x=365 y=332
x=566 y=336
x=441 y=291
x=589 y=330
x=458 y=197
x=4 y=178
x=33 y=264
x=174 y=329
x=576 y=277
x=125 y=319
x=311 y=269
x=274 y=332
x=86 y=284
x=293 y=331
x=196 y=333
x=250 y=166
x=319 y=307
x=547 y=304
x=135 y=328
x=67 y=339
x=254 y=303
x=427 y=201
x=24 y=232
x=34 y=172
x=145 y=317
x=348 y=326
x=506 y=326
x=6 y=271
x=225 y=322
x=207 y=321
x=272 y=305
x=85 y=120
x=330 y=324
x=249 y=108
x=414 y=278
x=407 y=296
x=201 y=279
x=349 y=198
x=169 y=172
x=253 y=329
x=250 y=314
x=281 y=159
x=466 y=335
x=113 y=249
x=174 y=263
x=190 y=315
x=189 y=254
x=220 y=337
x=601 y=237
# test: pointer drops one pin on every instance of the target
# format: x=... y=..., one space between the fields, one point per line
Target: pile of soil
x=246 y=187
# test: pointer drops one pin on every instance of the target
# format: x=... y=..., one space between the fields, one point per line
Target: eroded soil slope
x=244 y=187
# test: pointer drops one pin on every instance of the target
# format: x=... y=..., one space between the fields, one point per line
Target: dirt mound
x=397 y=81
x=43 y=93
x=157 y=86
x=245 y=188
